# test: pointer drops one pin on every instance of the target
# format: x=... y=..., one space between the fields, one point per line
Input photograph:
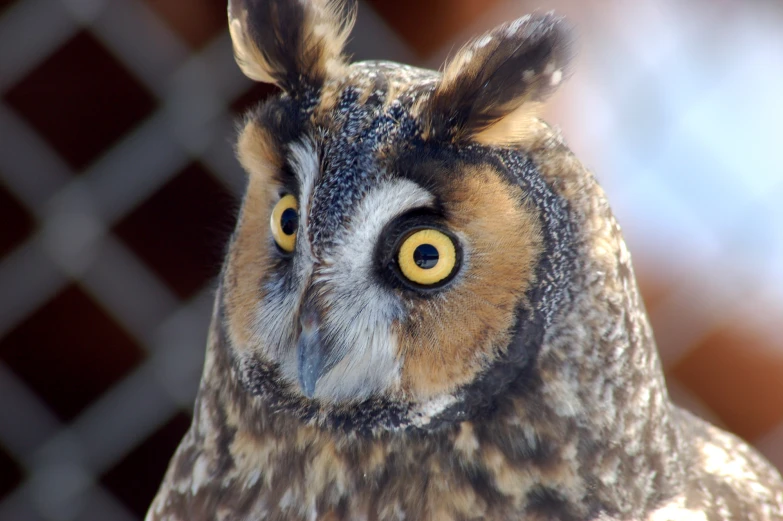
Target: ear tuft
x=295 y=44
x=496 y=83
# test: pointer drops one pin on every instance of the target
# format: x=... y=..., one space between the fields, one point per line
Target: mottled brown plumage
x=524 y=386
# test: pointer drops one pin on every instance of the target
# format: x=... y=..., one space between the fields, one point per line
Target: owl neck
x=600 y=393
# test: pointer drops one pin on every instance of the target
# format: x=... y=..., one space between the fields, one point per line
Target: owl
x=427 y=310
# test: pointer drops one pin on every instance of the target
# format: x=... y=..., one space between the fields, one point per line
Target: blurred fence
x=118 y=188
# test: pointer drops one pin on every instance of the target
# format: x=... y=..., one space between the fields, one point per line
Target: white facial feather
x=304 y=163
x=360 y=311
x=276 y=323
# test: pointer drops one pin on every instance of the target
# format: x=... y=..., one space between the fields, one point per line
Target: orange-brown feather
x=248 y=256
x=504 y=241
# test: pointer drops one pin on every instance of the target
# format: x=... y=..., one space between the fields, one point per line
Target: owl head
x=398 y=257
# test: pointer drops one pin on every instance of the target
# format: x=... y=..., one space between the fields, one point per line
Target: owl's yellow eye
x=284 y=223
x=427 y=257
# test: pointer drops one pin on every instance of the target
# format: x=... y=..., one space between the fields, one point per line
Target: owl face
x=392 y=231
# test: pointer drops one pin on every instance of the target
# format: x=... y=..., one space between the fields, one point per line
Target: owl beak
x=311 y=356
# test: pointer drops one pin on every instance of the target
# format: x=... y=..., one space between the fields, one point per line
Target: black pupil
x=289 y=221
x=425 y=256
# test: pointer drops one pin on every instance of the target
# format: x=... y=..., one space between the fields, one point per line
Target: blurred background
x=118 y=189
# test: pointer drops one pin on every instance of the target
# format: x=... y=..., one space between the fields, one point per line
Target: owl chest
x=285 y=481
